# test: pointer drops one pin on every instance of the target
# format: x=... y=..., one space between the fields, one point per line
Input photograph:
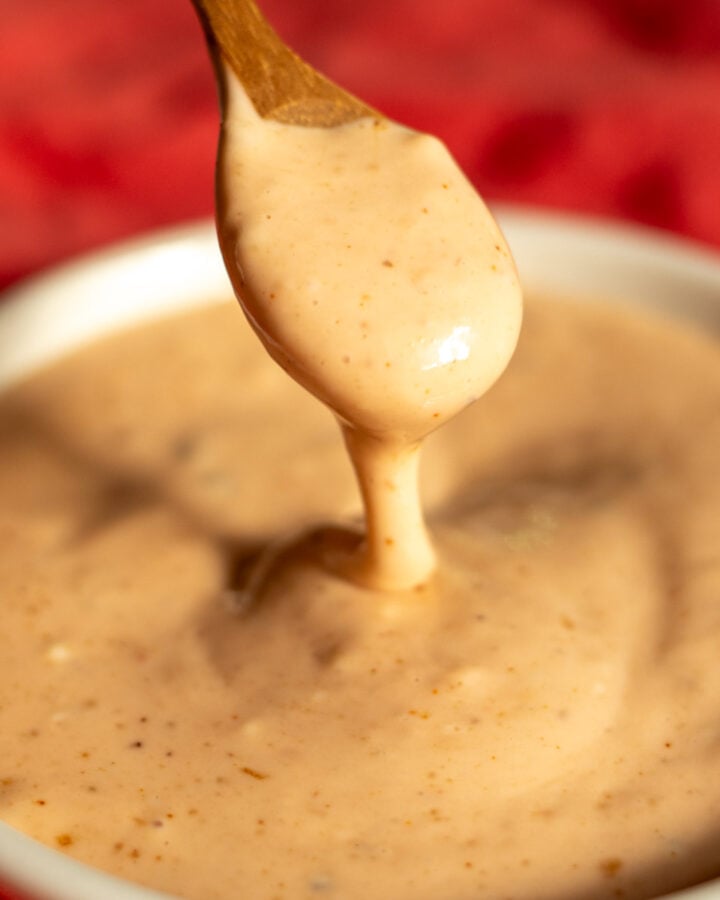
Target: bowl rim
x=180 y=267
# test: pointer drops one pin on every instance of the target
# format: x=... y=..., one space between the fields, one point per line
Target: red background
x=108 y=114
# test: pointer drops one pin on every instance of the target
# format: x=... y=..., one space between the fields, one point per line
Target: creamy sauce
x=539 y=721
x=375 y=275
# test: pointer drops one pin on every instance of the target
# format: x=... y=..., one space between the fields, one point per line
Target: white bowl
x=180 y=268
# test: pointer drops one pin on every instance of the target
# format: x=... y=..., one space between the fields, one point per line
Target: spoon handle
x=279 y=84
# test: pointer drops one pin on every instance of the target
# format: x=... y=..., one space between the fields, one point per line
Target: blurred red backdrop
x=108 y=114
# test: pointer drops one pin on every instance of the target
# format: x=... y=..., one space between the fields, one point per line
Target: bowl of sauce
x=538 y=719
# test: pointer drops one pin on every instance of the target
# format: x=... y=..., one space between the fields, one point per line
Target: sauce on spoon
x=377 y=278
x=367 y=264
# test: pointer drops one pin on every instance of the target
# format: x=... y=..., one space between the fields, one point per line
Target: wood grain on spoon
x=280 y=85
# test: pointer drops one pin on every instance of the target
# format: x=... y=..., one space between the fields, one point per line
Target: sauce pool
x=538 y=720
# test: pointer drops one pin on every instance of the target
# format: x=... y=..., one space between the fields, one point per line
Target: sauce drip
x=377 y=278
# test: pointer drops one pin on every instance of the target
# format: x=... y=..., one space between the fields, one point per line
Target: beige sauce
x=377 y=278
x=540 y=721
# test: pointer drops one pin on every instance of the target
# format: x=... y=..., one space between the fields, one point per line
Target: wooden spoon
x=279 y=84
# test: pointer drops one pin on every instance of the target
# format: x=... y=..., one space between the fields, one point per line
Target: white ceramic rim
x=181 y=268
